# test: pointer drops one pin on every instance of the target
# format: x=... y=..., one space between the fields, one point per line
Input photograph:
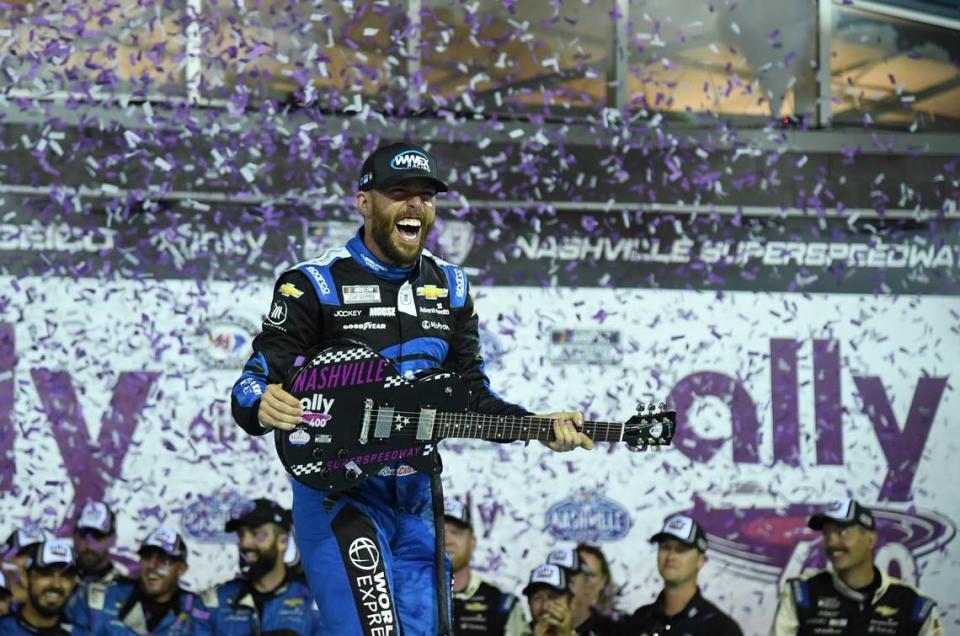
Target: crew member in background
x=856 y=598
x=550 y=597
x=94 y=534
x=17 y=550
x=265 y=598
x=154 y=603
x=478 y=606
x=586 y=620
x=51 y=576
x=680 y=608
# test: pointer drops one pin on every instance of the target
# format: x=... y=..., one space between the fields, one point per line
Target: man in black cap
x=679 y=608
x=265 y=599
x=384 y=290
x=854 y=598
x=478 y=606
x=51 y=578
x=154 y=603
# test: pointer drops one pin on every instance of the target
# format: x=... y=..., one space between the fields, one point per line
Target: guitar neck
x=509 y=428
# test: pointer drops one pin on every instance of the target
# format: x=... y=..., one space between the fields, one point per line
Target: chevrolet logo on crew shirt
x=290 y=290
x=432 y=292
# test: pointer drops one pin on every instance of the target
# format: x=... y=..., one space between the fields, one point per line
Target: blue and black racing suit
x=236 y=609
x=420 y=318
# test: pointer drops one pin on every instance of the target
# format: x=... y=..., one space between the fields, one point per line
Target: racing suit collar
x=374 y=265
x=854 y=595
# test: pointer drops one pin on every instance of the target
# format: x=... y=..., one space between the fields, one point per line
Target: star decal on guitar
x=401 y=421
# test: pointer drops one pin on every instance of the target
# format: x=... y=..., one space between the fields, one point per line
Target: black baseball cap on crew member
x=548 y=576
x=685 y=530
x=844 y=512
x=458 y=512
x=258 y=512
x=389 y=165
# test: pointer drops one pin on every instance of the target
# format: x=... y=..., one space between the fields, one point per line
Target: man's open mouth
x=409 y=230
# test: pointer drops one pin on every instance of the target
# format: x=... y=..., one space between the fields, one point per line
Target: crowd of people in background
x=57 y=586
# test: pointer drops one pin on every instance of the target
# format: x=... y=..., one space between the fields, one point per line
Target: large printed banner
x=520 y=247
x=118 y=388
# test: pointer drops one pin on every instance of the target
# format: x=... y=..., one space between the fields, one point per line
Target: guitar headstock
x=652 y=426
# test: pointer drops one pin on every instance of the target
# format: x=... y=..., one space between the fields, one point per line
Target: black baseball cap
x=258 y=512
x=548 y=576
x=685 y=530
x=844 y=512
x=389 y=165
x=457 y=511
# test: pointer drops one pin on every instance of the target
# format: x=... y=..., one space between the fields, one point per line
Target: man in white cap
x=680 y=608
x=585 y=619
x=854 y=597
x=94 y=533
x=550 y=598
x=154 y=603
x=50 y=580
x=17 y=550
x=478 y=606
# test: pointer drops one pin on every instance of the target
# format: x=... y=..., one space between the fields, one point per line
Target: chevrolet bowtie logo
x=431 y=292
x=290 y=290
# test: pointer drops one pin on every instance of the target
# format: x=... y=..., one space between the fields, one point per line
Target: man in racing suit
x=266 y=599
x=384 y=290
x=855 y=597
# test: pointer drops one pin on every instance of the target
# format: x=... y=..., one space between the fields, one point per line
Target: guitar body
x=361 y=416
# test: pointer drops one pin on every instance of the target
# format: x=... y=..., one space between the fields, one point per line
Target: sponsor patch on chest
x=360 y=294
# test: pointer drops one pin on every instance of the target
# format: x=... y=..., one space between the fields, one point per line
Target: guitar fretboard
x=508 y=428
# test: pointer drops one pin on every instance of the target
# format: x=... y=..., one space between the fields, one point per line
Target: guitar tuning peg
x=637 y=449
x=640 y=408
x=661 y=407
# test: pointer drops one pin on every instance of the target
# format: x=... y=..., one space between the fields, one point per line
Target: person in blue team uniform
x=17 y=550
x=51 y=576
x=373 y=555
x=154 y=603
x=94 y=534
x=267 y=599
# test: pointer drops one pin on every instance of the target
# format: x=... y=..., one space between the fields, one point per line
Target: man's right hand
x=279 y=409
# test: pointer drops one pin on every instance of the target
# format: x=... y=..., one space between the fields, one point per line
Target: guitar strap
x=444 y=584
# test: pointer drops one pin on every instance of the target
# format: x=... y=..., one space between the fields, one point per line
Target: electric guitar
x=361 y=416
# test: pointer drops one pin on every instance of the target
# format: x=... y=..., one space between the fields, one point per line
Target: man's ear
x=183 y=568
x=363 y=201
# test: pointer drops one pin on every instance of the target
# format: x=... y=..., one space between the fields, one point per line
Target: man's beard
x=40 y=604
x=90 y=561
x=384 y=226
x=266 y=559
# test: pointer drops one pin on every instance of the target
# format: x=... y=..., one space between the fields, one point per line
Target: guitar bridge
x=365 y=422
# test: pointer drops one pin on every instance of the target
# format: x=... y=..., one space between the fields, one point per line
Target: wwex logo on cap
x=685 y=530
x=844 y=512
